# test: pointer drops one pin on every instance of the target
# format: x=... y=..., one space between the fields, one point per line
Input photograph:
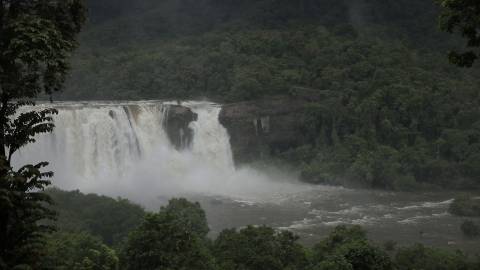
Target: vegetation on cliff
x=392 y=112
x=392 y=115
x=240 y=50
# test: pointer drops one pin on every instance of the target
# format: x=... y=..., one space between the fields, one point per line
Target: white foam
x=348 y=211
x=299 y=225
x=122 y=149
x=333 y=223
x=415 y=219
x=366 y=220
x=427 y=205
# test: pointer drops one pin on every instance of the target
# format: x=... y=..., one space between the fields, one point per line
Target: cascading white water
x=122 y=149
x=93 y=139
x=211 y=140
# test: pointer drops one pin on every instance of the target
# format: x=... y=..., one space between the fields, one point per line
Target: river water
x=121 y=149
x=405 y=218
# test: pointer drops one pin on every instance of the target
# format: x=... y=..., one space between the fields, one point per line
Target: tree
x=190 y=215
x=258 y=248
x=348 y=248
x=109 y=219
x=465 y=206
x=78 y=251
x=421 y=257
x=462 y=16
x=36 y=38
x=174 y=238
x=470 y=229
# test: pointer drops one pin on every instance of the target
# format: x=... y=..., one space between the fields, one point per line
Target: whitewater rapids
x=122 y=149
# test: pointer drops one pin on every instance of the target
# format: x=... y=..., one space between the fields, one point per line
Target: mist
x=123 y=150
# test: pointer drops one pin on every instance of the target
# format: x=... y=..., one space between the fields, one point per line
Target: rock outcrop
x=264 y=127
x=177 y=123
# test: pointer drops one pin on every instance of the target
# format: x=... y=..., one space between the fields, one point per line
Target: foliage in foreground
x=470 y=229
x=349 y=248
x=36 y=39
x=462 y=16
x=109 y=219
x=465 y=206
x=175 y=238
x=258 y=248
x=426 y=258
x=78 y=251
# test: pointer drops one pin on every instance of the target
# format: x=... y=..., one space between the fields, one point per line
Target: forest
x=97 y=232
x=394 y=112
x=396 y=115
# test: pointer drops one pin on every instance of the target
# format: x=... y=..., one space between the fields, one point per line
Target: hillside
x=394 y=113
x=180 y=49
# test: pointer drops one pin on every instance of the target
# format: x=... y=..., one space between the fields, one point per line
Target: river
x=122 y=149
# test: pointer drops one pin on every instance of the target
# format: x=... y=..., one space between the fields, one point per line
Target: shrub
x=173 y=238
x=258 y=248
x=349 y=248
x=465 y=207
x=390 y=245
x=426 y=258
x=78 y=251
x=470 y=229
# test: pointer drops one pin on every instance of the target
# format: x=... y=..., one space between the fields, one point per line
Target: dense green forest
x=175 y=237
x=393 y=113
x=396 y=115
x=79 y=212
x=184 y=49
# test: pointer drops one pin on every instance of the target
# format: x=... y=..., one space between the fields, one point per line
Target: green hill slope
x=399 y=114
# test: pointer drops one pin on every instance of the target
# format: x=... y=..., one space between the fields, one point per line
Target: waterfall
x=211 y=140
x=123 y=149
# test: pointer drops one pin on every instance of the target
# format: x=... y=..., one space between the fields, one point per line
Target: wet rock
x=264 y=127
x=177 y=123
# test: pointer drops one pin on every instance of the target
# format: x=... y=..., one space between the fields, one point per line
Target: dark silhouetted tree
x=78 y=251
x=462 y=16
x=174 y=238
x=421 y=257
x=349 y=248
x=36 y=39
x=259 y=248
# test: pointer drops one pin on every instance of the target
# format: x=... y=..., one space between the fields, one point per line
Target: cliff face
x=264 y=127
x=177 y=124
x=257 y=128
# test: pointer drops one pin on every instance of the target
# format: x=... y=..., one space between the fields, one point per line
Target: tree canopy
x=78 y=251
x=36 y=39
x=109 y=219
x=174 y=238
x=259 y=248
x=349 y=248
x=392 y=112
x=462 y=16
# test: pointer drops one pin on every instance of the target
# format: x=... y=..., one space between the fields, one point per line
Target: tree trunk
x=3 y=120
